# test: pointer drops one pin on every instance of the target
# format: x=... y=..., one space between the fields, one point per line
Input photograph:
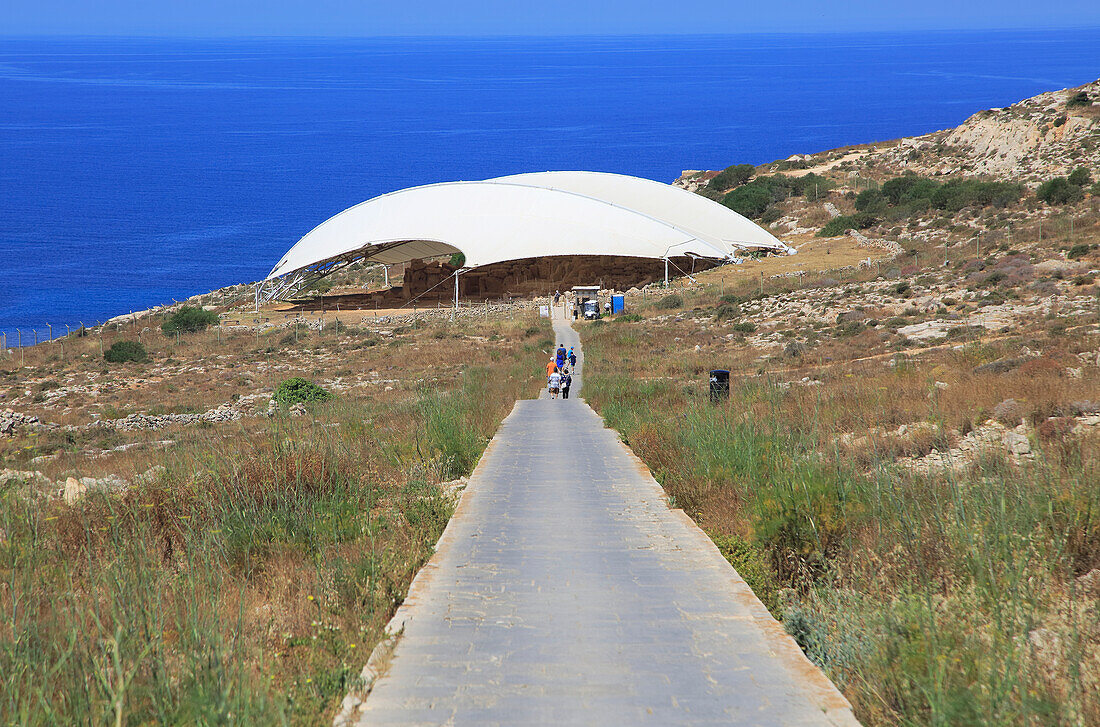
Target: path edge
x=819 y=688
x=379 y=660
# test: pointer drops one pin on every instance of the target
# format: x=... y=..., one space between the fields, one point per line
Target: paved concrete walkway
x=566 y=592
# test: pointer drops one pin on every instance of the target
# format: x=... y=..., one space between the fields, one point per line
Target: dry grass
x=950 y=597
x=248 y=580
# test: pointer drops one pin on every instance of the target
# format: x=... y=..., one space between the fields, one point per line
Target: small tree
x=871 y=200
x=1080 y=98
x=189 y=319
x=297 y=390
x=670 y=301
x=124 y=351
x=733 y=176
x=458 y=260
x=1059 y=191
x=1080 y=176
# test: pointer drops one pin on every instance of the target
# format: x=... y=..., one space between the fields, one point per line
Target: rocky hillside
x=1030 y=141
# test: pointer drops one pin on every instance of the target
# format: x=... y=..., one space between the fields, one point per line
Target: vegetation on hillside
x=189 y=319
x=930 y=596
x=244 y=573
x=126 y=351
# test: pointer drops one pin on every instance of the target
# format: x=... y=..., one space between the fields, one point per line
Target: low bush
x=189 y=319
x=725 y=311
x=733 y=176
x=1081 y=98
x=670 y=301
x=628 y=318
x=752 y=565
x=744 y=327
x=126 y=351
x=1080 y=176
x=840 y=225
x=1059 y=191
x=871 y=200
x=297 y=390
x=1078 y=251
x=756 y=197
x=911 y=193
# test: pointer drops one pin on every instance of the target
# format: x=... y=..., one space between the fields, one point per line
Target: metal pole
x=386 y=269
x=455 y=312
x=666 y=272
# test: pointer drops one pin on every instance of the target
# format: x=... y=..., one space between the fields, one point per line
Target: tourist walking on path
x=572 y=358
x=554 y=384
x=561 y=355
x=551 y=366
x=566 y=382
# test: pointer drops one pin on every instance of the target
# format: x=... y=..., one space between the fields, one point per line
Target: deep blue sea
x=135 y=171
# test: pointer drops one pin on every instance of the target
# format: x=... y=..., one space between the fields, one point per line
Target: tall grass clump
x=930 y=597
x=246 y=578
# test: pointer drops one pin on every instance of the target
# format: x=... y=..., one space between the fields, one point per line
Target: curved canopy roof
x=675 y=205
x=524 y=216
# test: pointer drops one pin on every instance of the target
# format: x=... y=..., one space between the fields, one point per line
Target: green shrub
x=754 y=198
x=958 y=193
x=744 y=327
x=771 y=214
x=123 y=351
x=909 y=188
x=458 y=260
x=725 y=311
x=752 y=565
x=628 y=318
x=1094 y=190
x=670 y=301
x=1080 y=176
x=871 y=200
x=189 y=319
x=1059 y=191
x=733 y=176
x=298 y=390
x=1080 y=98
x=1078 y=251
x=840 y=225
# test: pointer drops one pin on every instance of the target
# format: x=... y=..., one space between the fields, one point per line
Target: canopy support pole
x=386 y=269
x=455 y=311
x=666 y=272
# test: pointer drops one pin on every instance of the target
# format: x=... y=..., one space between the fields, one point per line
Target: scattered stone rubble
x=12 y=421
x=72 y=489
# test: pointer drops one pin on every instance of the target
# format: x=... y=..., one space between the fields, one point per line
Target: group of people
x=558 y=376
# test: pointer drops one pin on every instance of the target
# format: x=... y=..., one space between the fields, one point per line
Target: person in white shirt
x=555 y=384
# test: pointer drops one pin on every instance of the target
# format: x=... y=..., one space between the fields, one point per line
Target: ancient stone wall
x=430 y=281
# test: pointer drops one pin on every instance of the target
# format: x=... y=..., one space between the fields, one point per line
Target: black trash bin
x=719 y=384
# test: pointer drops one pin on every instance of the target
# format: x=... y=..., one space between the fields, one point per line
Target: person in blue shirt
x=572 y=358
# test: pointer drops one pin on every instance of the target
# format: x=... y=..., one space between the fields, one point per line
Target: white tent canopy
x=691 y=212
x=524 y=216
